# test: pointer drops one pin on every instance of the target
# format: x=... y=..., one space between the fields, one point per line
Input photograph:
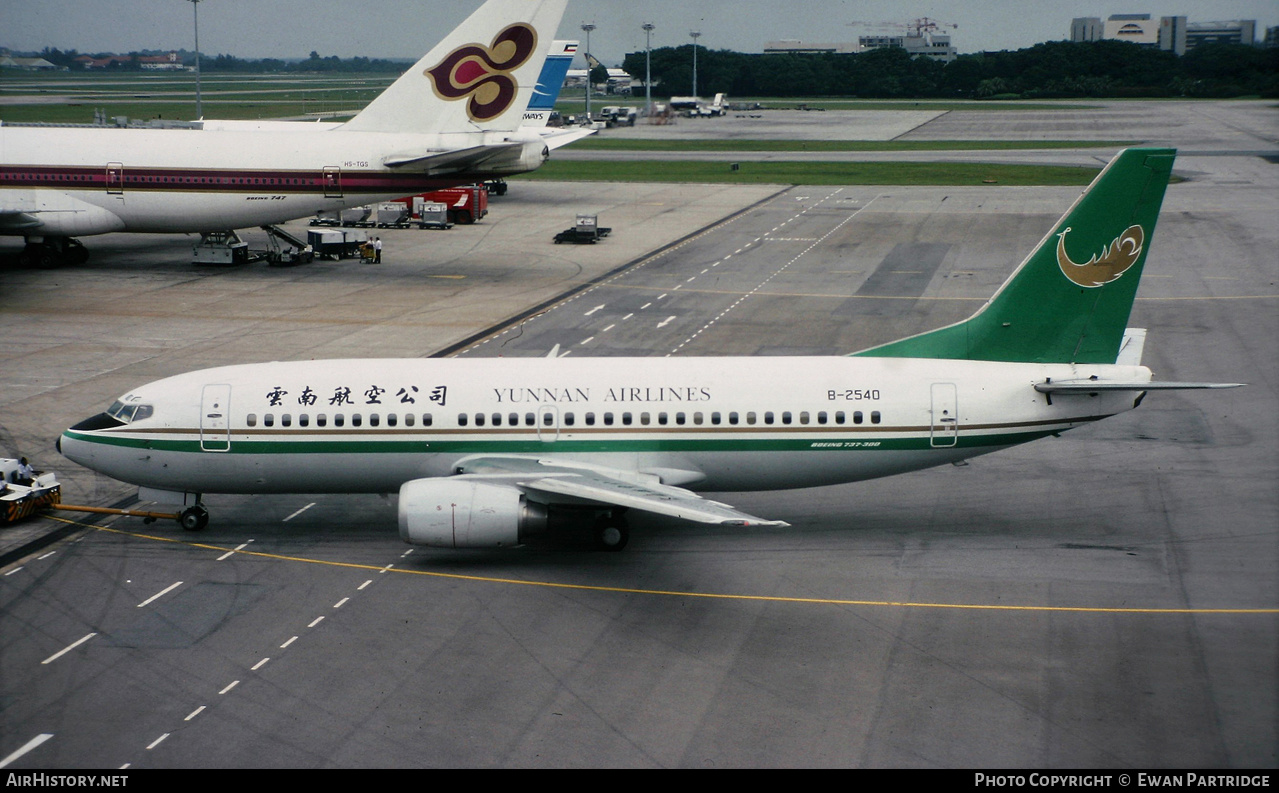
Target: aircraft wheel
x=612 y=533
x=48 y=259
x=76 y=252
x=194 y=518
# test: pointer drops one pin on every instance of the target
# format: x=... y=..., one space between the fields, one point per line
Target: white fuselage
x=714 y=424
x=84 y=181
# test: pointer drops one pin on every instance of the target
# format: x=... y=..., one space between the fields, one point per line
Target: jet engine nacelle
x=464 y=513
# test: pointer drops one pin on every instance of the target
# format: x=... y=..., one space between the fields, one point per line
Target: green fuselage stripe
x=479 y=443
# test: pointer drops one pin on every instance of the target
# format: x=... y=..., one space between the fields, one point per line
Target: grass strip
x=814 y=173
x=597 y=143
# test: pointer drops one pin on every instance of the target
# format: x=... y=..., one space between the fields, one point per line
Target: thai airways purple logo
x=482 y=75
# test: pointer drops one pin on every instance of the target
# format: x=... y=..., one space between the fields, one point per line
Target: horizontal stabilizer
x=554 y=140
x=450 y=161
x=1098 y=386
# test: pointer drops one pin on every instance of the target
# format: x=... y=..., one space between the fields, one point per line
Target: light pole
x=696 y=34
x=648 y=69
x=199 y=105
x=588 y=27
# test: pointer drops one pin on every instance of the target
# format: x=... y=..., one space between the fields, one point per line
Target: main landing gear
x=50 y=252
x=611 y=531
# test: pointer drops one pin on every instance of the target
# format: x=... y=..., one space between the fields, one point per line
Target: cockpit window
x=130 y=413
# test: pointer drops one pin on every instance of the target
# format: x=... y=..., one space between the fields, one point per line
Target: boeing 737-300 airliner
x=484 y=452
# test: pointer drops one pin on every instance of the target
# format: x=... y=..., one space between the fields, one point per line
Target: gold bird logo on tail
x=1115 y=259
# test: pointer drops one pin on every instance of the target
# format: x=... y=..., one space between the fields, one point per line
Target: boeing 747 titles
x=453 y=118
x=484 y=453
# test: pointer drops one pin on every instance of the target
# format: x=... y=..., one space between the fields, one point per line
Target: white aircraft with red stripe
x=453 y=118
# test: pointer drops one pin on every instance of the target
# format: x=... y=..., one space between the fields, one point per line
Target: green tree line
x=1058 y=69
x=230 y=63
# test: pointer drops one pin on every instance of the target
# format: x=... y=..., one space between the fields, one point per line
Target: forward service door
x=215 y=418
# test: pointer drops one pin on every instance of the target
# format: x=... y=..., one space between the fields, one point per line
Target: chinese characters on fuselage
x=372 y=395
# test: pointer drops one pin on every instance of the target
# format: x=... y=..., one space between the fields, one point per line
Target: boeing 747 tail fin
x=480 y=77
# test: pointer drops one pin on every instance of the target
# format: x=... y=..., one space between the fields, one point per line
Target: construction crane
x=915 y=27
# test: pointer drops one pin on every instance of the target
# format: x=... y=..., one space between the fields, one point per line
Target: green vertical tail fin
x=1069 y=300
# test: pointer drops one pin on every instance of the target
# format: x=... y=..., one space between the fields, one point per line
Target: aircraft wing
x=12 y=219
x=556 y=481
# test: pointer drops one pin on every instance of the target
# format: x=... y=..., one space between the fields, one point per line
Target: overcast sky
x=408 y=28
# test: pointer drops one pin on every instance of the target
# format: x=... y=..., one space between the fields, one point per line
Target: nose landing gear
x=194 y=518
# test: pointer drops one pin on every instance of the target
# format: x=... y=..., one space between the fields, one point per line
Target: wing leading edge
x=557 y=481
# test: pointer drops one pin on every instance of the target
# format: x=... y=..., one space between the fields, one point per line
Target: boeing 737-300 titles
x=484 y=453
x=453 y=118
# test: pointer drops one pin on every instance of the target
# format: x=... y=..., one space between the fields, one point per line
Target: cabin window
x=715 y=418
x=375 y=420
x=497 y=420
x=268 y=420
x=479 y=419
x=733 y=417
x=608 y=419
x=568 y=419
x=286 y=420
x=750 y=417
x=680 y=418
x=857 y=417
x=786 y=417
x=874 y=417
x=426 y=419
x=589 y=418
x=645 y=419
x=697 y=418
x=529 y=420
x=461 y=419
x=513 y=419
x=803 y=417
x=321 y=420
x=626 y=419
x=304 y=420
x=356 y=419
x=251 y=420
x=339 y=420
x=408 y=419
x=839 y=417
x=821 y=417
x=391 y=420
x=768 y=417
x=548 y=419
